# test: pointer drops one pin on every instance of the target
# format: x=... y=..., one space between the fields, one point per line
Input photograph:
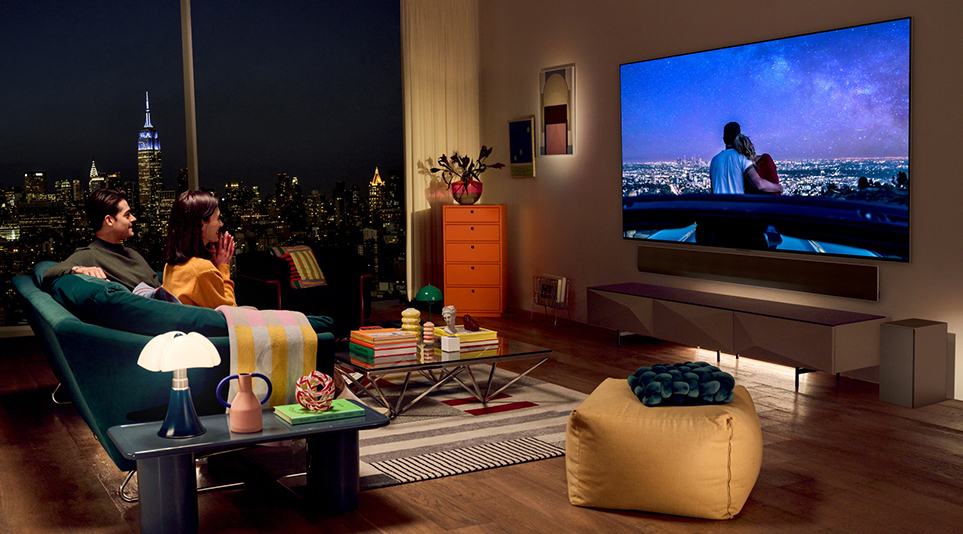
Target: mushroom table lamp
x=178 y=352
x=429 y=295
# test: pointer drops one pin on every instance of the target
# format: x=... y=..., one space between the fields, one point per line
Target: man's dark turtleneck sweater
x=120 y=264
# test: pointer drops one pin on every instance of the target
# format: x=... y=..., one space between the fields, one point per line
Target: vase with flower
x=462 y=174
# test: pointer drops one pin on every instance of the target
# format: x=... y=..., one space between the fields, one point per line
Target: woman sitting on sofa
x=197 y=256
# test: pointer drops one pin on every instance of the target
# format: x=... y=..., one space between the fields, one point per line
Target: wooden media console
x=804 y=337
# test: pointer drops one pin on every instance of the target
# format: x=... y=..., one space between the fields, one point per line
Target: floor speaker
x=912 y=362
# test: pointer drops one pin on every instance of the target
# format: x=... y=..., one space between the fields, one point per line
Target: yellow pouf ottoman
x=695 y=461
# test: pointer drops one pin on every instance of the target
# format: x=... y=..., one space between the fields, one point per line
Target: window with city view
x=299 y=127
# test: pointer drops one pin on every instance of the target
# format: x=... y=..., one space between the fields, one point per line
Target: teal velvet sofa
x=92 y=332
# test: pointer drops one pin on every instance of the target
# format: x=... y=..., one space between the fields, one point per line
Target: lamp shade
x=177 y=350
x=429 y=294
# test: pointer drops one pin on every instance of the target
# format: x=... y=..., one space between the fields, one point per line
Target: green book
x=296 y=414
x=382 y=353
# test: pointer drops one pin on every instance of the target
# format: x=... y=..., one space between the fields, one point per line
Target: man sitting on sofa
x=109 y=215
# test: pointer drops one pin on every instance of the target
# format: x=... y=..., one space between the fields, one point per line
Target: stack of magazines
x=374 y=347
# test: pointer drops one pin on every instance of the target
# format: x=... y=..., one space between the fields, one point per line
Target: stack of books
x=373 y=347
x=470 y=340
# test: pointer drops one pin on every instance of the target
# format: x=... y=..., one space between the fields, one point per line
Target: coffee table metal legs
x=487 y=396
x=444 y=376
x=168 y=494
x=380 y=398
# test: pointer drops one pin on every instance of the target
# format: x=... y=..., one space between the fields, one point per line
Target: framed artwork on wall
x=556 y=88
x=521 y=146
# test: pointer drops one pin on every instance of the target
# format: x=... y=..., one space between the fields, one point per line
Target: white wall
x=567 y=220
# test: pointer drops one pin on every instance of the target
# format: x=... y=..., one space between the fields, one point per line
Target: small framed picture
x=556 y=92
x=521 y=141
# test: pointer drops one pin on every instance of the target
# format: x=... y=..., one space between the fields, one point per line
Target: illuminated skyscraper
x=76 y=193
x=96 y=183
x=392 y=209
x=282 y=188
x=64 y=190
x=376 y=194
x=96 y=180
x=165 y=202
x=112 y=180
x=149 y=178
x=34 y=186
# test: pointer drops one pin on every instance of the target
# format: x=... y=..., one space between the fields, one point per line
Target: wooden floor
x=835 y=460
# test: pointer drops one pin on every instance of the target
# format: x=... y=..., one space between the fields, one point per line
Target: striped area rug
x=449 y=432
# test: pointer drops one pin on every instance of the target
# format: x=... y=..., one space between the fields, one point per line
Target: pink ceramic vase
x=245 y=415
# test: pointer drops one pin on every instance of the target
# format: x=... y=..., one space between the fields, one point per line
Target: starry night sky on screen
x=834 y=94
x=308 y=88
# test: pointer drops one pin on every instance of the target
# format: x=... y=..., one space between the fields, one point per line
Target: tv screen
x=798 y=144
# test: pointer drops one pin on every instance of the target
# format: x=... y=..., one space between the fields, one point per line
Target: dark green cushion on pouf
x=684 y=384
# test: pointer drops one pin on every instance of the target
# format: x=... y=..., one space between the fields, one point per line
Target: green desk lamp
x=429 y=295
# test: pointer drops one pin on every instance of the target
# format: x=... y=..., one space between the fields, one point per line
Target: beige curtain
x=440 y=80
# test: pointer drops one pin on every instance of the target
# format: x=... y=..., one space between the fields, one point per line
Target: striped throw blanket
x=279 y=344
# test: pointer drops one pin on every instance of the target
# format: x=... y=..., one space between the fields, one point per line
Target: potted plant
x=462 y=175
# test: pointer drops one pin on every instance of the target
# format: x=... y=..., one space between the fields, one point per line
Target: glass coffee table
x=442 y=368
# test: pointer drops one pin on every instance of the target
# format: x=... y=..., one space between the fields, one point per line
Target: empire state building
x=149 y=178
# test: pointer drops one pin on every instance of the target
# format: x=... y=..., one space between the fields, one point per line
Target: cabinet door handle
x=473 y=267
x=473 y=247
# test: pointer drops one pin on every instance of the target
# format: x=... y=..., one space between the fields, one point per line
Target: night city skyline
x=833 y=94
x=303 y=89
x=310 y=89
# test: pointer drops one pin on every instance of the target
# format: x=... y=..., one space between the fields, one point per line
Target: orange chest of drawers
x=475 y=259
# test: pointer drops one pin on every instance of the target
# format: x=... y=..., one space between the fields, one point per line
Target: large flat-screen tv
x=825 y=115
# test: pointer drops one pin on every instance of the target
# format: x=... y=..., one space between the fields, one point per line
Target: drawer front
x=702 y=326
x=473 y=299
x=482 y=274
x=472 y=252
x=472 y=232
x=629 y=313
x=472 y=214
x=785 y=342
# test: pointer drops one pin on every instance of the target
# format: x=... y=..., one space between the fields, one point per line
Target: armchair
x=264 y=281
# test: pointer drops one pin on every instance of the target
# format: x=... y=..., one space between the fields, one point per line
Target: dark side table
x=167 y=480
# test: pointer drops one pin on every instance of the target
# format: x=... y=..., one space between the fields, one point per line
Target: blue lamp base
x=181 y=420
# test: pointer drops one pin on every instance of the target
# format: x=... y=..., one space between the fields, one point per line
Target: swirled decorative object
x=308 y=394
